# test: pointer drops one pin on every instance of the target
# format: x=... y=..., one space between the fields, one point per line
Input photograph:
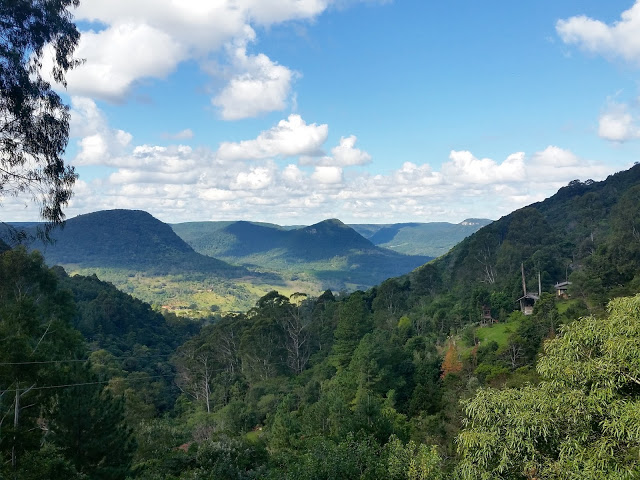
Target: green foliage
x=412 y=461
x=580 y=422
x=34 y=123
x=88 y=426
x=63 y=421
x=328 y=253
x=353 y=323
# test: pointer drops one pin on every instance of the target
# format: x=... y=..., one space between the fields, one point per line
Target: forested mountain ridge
x=322 y=240
x=433 y=239
x=242 y=238
x=131 y=239
x=586 y=233
x=329 y=253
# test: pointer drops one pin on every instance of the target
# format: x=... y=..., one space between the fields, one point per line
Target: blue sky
x=293 y=111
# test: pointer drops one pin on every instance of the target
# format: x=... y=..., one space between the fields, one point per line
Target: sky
x=369 y=111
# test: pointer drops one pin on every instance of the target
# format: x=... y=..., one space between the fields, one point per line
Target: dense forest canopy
x=361 y=385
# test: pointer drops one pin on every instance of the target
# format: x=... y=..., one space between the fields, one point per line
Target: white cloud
x=327 y=175
x=180 y=183
x=118 y=57
x=150 y=38
x=617 y=124
x=289 y=138
x=346 y=154
x=292 y=175
x=98 y=143
x=463 y=167
x=621 y=39
x=553 y=156
x=255 y=179
x=257 y=86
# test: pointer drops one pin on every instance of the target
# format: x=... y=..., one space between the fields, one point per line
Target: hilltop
x=328 y=252
x=131 y=239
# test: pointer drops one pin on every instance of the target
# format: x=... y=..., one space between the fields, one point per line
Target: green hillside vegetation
x=409 y=379
x=130 y=239
x=432 y=239
x=144 y=257
x=329 y=254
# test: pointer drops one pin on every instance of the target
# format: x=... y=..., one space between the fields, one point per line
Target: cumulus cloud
x=150 y=38
x=98 y=143
x=621 y=39
x=257 y=85
x=617 y=124
x=180 y=183
x=119 y=56
x=463 y=167
x=290 y=137
x=346 y=154
x=255 y=179
x=327 y=175
x=555 y=157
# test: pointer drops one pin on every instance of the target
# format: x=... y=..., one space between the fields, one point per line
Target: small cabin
x=527 y=302
x=561 y=289
x=486 y=315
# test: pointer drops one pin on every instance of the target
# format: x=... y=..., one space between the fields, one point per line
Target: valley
x=368 y=377
x=204 y=268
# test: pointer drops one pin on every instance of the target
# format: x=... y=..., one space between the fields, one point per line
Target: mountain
x=432 y=239
x=240 y=239
x=130 y=239
x=330 y=252
x=587 y=233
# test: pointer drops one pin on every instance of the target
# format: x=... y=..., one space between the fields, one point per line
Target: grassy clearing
x=498 y=332
x=196 y=296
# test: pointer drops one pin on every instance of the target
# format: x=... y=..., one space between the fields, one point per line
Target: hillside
x=586 y=233
x=130 y=239
x=144 y=257
x=242 y=238
x=329 y=252
x=433 y=239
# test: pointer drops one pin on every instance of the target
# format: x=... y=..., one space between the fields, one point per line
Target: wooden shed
x=527 y=302
x=561 y=289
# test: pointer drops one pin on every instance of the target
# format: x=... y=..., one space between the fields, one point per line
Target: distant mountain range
x=330 y=252
x=235 y=240
x=432 y=239
x=231 y=262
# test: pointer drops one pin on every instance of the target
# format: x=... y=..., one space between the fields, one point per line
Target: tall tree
x=353 y=324
x=34 y=122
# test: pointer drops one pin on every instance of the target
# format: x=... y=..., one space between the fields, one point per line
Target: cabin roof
x=562 y=285
x=529 y=296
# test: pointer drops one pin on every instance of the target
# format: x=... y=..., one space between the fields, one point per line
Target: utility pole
x=16 y=418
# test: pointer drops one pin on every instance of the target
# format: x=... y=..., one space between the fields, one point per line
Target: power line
x=124 y=357
x=102 y=382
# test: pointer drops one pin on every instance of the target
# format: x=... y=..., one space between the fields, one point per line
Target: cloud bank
x=283 y=176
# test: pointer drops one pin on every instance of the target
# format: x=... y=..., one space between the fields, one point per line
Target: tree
x=88 y=425
x=34 y=334
x=353 y=323
x=451 y=362
x=582 y=421
x=34 y=123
